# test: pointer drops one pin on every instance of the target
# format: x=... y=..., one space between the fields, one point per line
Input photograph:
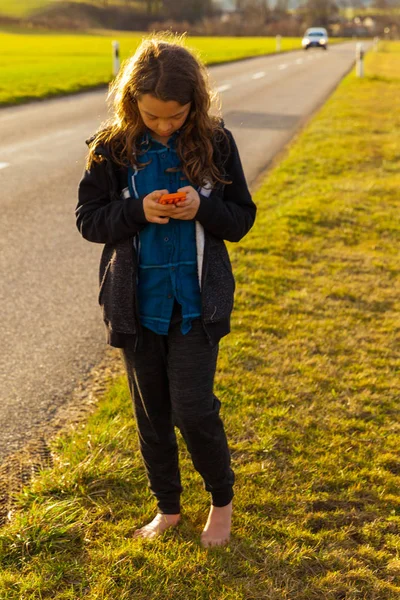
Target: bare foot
x=159 y=524
x=218 y=527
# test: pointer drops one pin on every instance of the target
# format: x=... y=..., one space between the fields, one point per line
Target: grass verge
x=309 y=385
x=37 y=65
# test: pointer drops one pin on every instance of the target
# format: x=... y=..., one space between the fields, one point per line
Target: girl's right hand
x=155 y=212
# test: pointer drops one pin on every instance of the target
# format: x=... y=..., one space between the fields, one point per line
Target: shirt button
x=163 y=155
x=172 y=268
x=166 y=239
x=169 y=295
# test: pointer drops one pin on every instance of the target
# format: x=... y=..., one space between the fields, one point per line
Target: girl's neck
x=163 y=141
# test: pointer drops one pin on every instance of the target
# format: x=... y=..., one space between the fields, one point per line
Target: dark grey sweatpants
x=171 y=381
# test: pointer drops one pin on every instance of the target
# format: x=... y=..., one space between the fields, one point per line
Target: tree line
x=188 y=10
x=319 y=12
x=257 y=12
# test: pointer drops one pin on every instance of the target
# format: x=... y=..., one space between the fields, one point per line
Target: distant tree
x=262 y=8
x=282 y=5
x=187 y=10
x=253 y=8
x=320 y=12
x=153 y=6
x=281 y=8
x=239 y=4
x=380 y=4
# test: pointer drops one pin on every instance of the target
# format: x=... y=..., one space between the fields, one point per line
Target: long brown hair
x=164 y=68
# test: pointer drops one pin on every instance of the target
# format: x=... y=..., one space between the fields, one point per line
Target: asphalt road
x=52 y=332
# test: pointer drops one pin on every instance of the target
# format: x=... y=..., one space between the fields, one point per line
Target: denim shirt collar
x=152 y=145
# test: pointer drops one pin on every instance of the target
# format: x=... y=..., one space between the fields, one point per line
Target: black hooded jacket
x=105 y=217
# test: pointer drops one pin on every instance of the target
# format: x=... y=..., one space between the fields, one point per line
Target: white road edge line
x=4 y=165
x=299 y=61
x=280 y=67
x=258 y=75
x=223 y=88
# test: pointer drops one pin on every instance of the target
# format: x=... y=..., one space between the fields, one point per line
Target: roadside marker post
x=376 y=43
x=360 y=59
x=278 y=43
x=115 y=56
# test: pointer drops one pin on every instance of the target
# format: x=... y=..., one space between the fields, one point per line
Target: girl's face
x=162 y=118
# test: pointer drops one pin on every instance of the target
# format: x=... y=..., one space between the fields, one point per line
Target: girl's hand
x=155 y=212
x=186 y=210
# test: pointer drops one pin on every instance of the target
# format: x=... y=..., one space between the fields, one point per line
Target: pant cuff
x=169 y=508
x=222 y=498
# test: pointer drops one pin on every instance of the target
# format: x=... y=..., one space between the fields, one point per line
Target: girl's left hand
x=186 y=210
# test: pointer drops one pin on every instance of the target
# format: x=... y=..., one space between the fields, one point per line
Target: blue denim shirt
x=167 y=253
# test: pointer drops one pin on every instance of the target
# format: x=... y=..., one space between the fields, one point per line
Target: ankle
x=170 y=517
x=225 y=508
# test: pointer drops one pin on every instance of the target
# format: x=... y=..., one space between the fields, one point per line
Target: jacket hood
x=100 y=149
x=90 y=140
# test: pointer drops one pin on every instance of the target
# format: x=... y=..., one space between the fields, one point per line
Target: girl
x=166 y=283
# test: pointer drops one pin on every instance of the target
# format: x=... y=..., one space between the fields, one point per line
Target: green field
x=38 y=65
x=309 y=384
x=23 y=8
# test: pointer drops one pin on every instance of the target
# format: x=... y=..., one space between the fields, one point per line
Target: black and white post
x=360 y=59
x=115 y=56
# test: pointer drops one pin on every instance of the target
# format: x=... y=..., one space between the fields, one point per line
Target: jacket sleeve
x=101 y=215
x=230 y=213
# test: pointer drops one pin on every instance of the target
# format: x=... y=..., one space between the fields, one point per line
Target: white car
x=315 y=37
